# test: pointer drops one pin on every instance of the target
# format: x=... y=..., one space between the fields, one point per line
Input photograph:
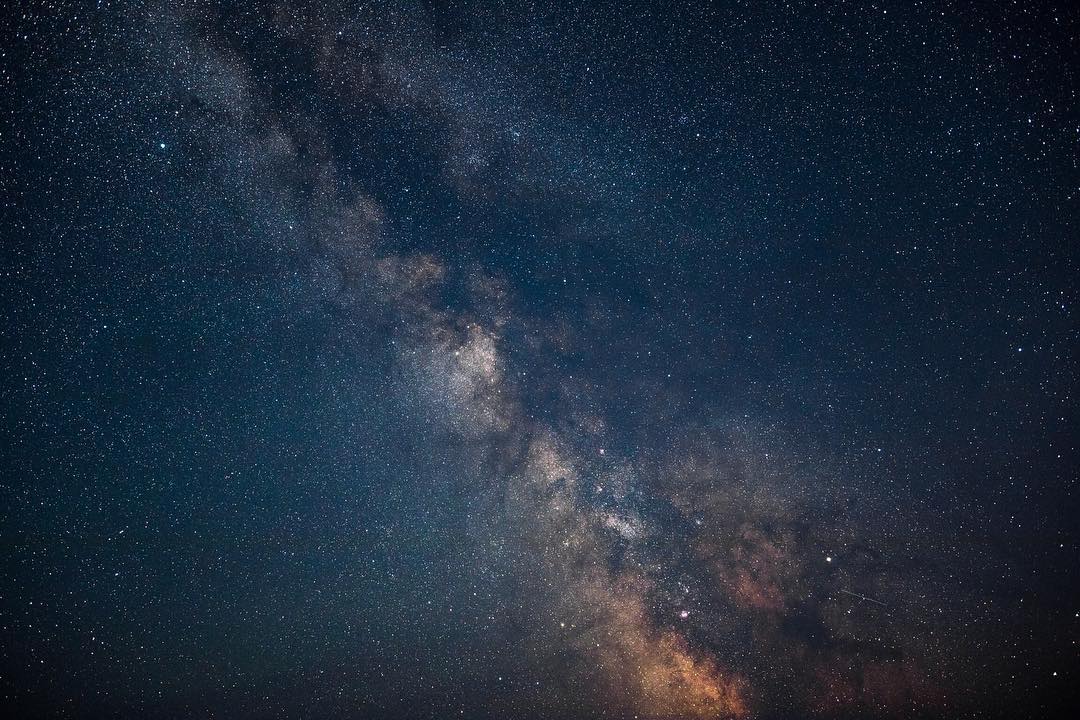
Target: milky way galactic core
x=539 y=360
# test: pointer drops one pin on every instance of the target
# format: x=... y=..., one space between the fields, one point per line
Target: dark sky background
x=523 y=360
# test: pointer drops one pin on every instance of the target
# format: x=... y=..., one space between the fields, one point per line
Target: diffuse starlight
x=576 y=361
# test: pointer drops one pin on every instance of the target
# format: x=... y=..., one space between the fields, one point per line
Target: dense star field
x=519 y=360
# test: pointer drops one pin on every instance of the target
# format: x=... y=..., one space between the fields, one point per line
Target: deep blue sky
x=498 y=360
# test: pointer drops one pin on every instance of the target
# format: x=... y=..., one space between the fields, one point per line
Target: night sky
x=521 y=360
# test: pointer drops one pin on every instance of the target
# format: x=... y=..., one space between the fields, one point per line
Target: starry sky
x=531 y=360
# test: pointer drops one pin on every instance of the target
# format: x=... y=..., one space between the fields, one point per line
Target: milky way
x=431 y=360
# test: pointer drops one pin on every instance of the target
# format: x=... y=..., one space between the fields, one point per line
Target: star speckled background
x=523 y=360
